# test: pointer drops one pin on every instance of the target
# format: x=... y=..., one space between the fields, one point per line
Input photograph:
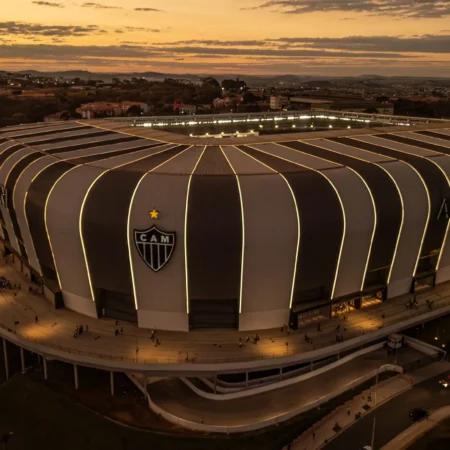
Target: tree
x=211 y=82
x=248 y=97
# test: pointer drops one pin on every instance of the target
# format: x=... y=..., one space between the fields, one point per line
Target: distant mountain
x=250 y=79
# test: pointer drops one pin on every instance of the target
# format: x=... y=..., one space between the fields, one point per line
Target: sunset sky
x=323 y=37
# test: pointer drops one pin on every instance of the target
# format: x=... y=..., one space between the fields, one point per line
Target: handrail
x=217 y=365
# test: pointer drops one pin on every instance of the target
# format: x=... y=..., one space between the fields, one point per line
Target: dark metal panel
x=438 y=189
x=45 y=132
x=104 y=228
x=67 y=137
x=10 y=186
x=8 y=152
x=445 y=137
x=321 y=228
x=111 y=154
x=387 y=203
x=35 y=208
x=408 y=141
x=214 y=232
x=91 y=144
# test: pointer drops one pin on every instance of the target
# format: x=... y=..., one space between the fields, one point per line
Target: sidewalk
x=55 y=328
x=324 y=431
x=416 y=431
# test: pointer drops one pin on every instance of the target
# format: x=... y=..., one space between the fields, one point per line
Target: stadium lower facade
x=180 y=233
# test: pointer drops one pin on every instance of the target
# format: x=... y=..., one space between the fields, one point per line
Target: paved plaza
x=55 y=328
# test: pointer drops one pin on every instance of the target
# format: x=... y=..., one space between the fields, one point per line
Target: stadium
x=129 y=219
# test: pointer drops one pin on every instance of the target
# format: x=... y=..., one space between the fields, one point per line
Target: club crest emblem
x=155 y=246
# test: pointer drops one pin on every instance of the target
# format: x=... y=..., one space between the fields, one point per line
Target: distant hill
x=250 y=79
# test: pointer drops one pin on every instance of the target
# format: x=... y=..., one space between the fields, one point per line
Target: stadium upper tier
x=177 y=232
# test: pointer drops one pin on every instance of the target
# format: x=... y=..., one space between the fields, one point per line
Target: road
x=437 y=439
x=173 y=396
x=392 y=417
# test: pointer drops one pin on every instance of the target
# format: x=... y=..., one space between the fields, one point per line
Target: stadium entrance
x=213 y=314
x=361 y=300
x=423 y=282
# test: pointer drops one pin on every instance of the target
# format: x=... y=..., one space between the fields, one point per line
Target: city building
x=109 y=109
x=120 y=219
x=278 y=102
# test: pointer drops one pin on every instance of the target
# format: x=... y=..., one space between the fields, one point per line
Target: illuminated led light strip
x=125 y=133
x=46 y=226
x=129 y=220
x=344 y=220
x=398 y=190
x=185 y=229
x=44 y=139
x=80 y=220
x=294 y=276
x=426 y=191
x=375 y=220
x=26 y=217
x=344 y=216
x=401 y=223
x=420 y=138
x=12 y=194
x=445 y=175
x=443 y=245
x=243 y=229
x=12 y=145
x=80 y=227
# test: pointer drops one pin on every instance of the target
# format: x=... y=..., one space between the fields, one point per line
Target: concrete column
x=5 y=354
x=22 y=359
x=111 y=381
x=75 y=373
x=44 y=360
x=246 y=379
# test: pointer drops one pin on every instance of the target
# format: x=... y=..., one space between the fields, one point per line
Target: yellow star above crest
x=154 y=214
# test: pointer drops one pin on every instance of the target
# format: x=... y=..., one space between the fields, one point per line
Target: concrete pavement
x=55 y=329
x=174 y=397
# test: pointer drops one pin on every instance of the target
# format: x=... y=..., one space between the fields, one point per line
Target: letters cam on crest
x=155 y=246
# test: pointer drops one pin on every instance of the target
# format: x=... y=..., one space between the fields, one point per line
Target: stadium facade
x=180 y=233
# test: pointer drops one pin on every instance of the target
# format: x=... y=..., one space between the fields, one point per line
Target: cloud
x=51 y=4
x=139 y=51
x=32 y=29
x=142 y=29
x=148 y=9
x=396 y=8
x=427 y=43
x=99 y=6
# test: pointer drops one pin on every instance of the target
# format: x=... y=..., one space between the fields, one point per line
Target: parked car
x=418 y=414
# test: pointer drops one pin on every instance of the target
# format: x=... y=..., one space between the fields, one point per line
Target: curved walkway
x=178 y=400
x=416 y=431
x=209 y=352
